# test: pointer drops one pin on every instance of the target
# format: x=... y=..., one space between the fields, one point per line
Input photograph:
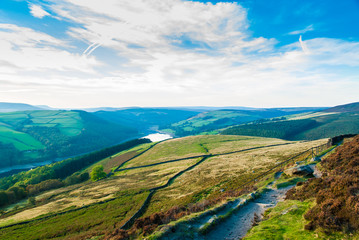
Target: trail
x=240 y=222
x=241 y=214
x=237 y=224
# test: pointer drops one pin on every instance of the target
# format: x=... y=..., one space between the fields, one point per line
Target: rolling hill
x=168 y=181
x=33 y=136
x=145 y=119
x=351 y=107
x=212 y=120
x=331 y=122
x=12 y=107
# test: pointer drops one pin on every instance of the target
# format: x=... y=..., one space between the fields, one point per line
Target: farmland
x=35 y=136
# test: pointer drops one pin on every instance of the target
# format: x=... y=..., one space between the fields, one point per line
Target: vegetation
x=145 y=119
x=45 y=178
x=320 y=126
x=213 y=120
x=214 y=180
x=285 y=221
x=336 y=192
x=97 y=173
x=33 y=136
x=282 y=129
x=94 y=220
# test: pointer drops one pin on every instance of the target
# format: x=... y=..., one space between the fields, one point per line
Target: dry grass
x=199 y=145
x=91 y=192
x=118 y=158
x=204 y=181
x=223 y=173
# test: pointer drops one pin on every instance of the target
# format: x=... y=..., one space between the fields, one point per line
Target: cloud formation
x=170 y=52
x=37 y=11
x=302 y=31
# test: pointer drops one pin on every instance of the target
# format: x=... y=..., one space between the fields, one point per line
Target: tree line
x=21 y=185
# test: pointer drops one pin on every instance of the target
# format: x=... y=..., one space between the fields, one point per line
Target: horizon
x=176 y=53
x=188 y=106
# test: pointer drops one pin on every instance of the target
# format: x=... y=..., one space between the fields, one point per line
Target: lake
x=156 y=137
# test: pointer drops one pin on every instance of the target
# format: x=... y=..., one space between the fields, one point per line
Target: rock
x=316 y=158
x=302 y=170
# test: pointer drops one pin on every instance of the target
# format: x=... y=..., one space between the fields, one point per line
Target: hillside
x=33 y=136
x=217 y=119
x=13 y=107
x=351 y=107
x=328 y=123
x=167 y=181
x=321 y=208
x=145 y=119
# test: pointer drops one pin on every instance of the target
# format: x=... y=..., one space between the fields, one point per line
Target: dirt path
x=239 y=223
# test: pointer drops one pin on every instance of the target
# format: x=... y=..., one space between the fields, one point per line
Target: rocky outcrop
x=301 y=170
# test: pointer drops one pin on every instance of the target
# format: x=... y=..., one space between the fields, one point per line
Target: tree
x=97 y=173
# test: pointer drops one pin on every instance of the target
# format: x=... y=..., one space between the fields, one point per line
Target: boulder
x=302 y=170
x=316 y=158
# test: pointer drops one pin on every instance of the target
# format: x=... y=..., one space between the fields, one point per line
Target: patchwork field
x=22 y=141
x=204 y=167
x=35 y=136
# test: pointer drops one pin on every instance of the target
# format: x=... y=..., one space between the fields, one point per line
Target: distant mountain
x=217 y=119
x=13 y=107
x=45 y=107
x=146 y=119
x=351 y=107
x=107 y=109
x=331 y=122
x=34 y=136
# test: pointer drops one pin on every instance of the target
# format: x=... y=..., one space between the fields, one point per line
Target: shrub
x=44 y=186
x=336 y=193
x=97 y=173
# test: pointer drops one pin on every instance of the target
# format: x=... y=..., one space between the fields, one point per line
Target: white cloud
x=174 y=53
x=302 y=31
x=27 y=50
x=303 y=45
x=37 y=11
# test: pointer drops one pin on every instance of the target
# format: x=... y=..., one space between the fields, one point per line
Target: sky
x=148 y=53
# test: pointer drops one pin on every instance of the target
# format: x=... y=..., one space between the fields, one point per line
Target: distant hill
x=331 y=122
x=212 y=120
x=145 y=119
x=33 y=136
x=351 y=107
x=12 y=107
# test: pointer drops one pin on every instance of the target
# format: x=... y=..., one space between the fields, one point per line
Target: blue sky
x=258 y=53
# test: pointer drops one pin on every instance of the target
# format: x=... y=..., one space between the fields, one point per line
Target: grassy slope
x=146 y=118
x=306 y=127
x=203 y=182
x=212 y=120
x=21 y=141
x=286 y=220
x=13 y=126
x=92 y=220
x=51 y=134
x=223 y=173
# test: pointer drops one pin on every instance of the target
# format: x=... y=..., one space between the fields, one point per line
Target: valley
x=230 y=161
x=152 y=187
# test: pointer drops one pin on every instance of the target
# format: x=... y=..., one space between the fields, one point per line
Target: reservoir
x=154 y=137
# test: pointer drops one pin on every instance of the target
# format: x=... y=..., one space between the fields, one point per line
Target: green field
x=22 y=141
x=53 y=134
x=304 y=127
